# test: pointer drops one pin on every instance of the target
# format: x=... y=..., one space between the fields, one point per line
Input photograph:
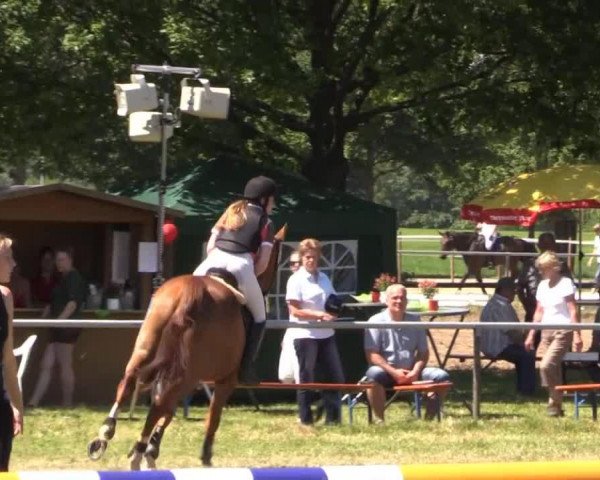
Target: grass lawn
x=511 y=429
x=433 y=266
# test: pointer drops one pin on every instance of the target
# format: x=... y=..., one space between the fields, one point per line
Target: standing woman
x=555 y=304
x=11 y=409
x=306 y=295
x=67 y=302
x=241 y=243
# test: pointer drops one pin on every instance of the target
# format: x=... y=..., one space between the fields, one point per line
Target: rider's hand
x=327 y=317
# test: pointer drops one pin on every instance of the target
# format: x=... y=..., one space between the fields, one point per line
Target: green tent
x=204 y=193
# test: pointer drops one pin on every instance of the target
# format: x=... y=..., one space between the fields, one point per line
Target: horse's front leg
x=480 y=280
x=221 y=394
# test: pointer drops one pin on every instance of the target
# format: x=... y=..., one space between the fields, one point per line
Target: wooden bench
x=578 y=392
x=576 y=360
x=417 y=389
x=341 y=387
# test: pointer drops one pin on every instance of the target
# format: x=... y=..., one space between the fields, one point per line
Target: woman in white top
x=288 y=371
x=306 y=294
x=555 y=304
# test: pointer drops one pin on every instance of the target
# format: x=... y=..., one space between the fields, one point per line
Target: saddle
x=227 y=279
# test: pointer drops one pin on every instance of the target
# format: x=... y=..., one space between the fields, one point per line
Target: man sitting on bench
x=507 y=344
x=397 y=356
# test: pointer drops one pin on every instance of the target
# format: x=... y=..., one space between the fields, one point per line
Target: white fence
x=451 y=254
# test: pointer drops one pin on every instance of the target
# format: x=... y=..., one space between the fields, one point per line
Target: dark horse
x=474 y=242
x=193 y=331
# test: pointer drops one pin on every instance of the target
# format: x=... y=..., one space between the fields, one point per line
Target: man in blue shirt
x=397 y=355
x=507 y=344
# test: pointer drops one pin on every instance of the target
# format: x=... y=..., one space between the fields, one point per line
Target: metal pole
x=162 y=187
x=399 y=256
x=580 y=255
x=476 y=377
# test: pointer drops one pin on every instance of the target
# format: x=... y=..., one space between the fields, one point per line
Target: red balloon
x=170 y=233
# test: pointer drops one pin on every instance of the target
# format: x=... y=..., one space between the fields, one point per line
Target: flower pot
x=375 y=296
x=432 y=304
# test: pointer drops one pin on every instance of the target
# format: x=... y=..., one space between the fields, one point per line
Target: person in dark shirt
x=67 y=302
x=241 y=243
x=46 y=279
x=11 y=401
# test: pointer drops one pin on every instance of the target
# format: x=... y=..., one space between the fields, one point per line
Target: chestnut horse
x=193 y=331
x=474 y=242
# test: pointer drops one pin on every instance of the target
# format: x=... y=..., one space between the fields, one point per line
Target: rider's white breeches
x=241 y=265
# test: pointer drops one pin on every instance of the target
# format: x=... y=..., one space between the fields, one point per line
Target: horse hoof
x=96 y=448
x=135 y=461
x=206 y=462
x=107 y=430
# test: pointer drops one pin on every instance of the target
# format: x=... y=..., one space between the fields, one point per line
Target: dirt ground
x=464 y=341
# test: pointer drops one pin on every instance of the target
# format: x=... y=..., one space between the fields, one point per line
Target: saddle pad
x=238 y=295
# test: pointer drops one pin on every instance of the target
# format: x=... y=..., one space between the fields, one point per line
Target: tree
x=309 y=79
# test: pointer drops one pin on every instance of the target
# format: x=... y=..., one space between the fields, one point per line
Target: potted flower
x=429 y=288
x=380 y=285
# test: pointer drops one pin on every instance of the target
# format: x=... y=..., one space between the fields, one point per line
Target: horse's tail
x=189 y=295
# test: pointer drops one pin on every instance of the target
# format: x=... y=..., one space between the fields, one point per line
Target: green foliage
x=461 y=92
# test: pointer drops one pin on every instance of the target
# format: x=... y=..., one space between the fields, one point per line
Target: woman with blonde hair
x=241 y=243
x=555 y=304
x=306 y=294
x=11 y=405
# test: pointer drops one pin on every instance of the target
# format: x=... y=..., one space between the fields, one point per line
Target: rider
x=241 y=243
x=489 y=232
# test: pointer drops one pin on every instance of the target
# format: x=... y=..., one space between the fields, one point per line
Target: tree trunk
x=327 y=168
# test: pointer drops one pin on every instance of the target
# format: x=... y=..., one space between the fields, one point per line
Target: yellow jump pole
x=572 y=470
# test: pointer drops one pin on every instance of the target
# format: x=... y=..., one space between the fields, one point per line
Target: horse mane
x=266 y=278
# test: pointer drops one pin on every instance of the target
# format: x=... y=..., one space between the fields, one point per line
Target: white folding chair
x=24 y=351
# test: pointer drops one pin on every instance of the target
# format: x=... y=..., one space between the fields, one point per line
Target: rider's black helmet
x=260 y=187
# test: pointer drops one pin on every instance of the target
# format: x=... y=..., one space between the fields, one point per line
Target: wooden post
x=476 y=376
x=399 y=255
x=452 y=267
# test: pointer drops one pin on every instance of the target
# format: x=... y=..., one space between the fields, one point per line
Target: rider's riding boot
x=254 y=338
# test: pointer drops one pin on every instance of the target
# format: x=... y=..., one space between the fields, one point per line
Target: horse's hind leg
x=147 y=449
x=463 y=280
x=221 y=394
